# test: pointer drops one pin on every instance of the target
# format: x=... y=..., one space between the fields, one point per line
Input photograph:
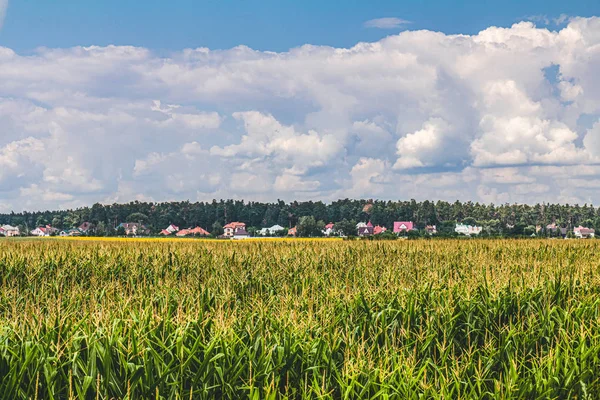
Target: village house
x=9 y=231
x=403 y=226
x=271 y=231
x=169 y=230
x=379 y=229
x=467 y=230
x=42 y=231
x=553 y=228
x=230 y=229
x=582 y=232
x=329 y=229
x=172 y=228
x=70 y=232
x=197 y=231
x=431 y=229
x=364 y=229
x=133 y=228
x=86 y=228
x=292 y=232
x=240 y=233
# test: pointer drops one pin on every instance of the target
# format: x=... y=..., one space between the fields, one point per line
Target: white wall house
x=467 y=230
x=10 y=231
x=582 y=232
x=43 y=231
x=271 y=231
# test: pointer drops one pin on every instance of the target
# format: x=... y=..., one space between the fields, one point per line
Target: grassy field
x=299 y=319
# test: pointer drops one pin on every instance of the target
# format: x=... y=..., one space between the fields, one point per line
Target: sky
x=117 y=101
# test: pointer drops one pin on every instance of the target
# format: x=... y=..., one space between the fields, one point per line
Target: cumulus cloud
x=508 y=114
x=386 y=23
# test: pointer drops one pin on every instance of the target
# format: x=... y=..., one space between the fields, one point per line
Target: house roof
x=292 y=231
x=86 y=226
x=379 y=229
x=240 y=232
x=366 y=230
x=329 y=225
x=400 y=226
x=165 y=232
x=369 y=224
x=233 y=225
x=583 y=230
x=199 y=231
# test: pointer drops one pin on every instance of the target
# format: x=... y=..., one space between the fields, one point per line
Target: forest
x=504 y=219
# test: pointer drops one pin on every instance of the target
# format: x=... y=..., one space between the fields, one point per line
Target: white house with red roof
x=172 y=228
x=169 y=230
x=230 y=229
x=9 y=231
x=329 y=229
x=44 y=231
x=403 y=226
x=582 y=232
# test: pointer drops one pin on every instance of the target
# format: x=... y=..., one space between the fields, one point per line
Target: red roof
x=233 y=225
x=195 y=231
x=292 y=231
x=329 y=225
x=369 y=224
x=379 y=229
x=402 y=226
x=199 y=231
x=165 y=232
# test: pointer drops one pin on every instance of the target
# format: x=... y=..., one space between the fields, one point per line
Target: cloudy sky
x=507 y=112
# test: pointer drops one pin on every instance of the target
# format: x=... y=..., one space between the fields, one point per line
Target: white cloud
x=419 y=114
x=386 y=23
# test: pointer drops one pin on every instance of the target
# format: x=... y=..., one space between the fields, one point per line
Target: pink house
x=403 y=226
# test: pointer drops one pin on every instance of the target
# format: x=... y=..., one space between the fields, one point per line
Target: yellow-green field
x=295 y=319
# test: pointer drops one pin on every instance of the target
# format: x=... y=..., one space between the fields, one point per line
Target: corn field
x=470 y=319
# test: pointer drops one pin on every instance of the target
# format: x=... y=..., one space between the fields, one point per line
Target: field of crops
x=299 y=319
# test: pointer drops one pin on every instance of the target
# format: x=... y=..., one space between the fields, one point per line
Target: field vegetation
x=299 y=319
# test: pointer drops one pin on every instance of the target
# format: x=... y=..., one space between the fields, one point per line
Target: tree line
x=506 y=219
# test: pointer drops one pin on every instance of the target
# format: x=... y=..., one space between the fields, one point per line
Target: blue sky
x=112 y=101
x=275 y=25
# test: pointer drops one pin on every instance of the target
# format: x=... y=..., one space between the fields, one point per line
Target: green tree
x=217 y=229
x=137 y=217
x=308 y=227
x=346 y=228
